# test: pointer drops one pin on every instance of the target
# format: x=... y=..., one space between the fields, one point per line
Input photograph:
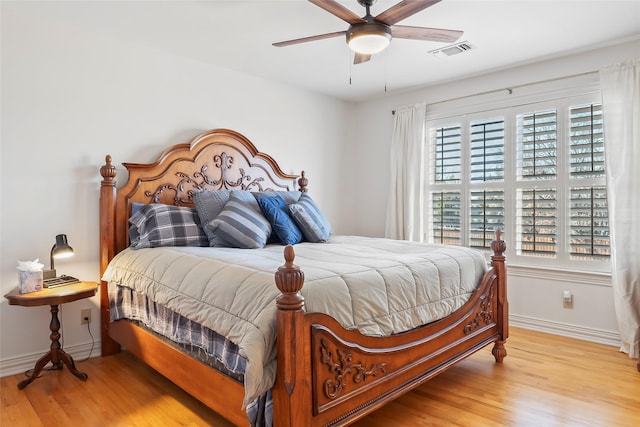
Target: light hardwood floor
x=545 y=380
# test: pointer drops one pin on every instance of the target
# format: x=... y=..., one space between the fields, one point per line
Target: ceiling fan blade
x=424 y=33
x=335 y=8
x=403 y=10
x=359 y=58
x=310 y=39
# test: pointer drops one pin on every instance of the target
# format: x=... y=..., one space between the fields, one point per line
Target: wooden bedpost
x=303 y=182
x=107 y=233
x=502 y=312
x=291 y=394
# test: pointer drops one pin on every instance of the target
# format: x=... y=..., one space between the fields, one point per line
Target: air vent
x=451 y=50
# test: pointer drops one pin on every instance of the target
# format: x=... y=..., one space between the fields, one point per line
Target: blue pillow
x=275 y=210
x=309 y=218
x=240 y=224
x=135 y=207
x=288 y=196
x=157 y=225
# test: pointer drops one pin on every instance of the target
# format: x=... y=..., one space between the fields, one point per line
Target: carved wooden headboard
x=216 y=159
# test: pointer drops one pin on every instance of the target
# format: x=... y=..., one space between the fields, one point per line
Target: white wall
x=70 y=97
x=535 y=297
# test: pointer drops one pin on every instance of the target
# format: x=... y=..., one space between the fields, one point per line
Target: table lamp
x=60 y=249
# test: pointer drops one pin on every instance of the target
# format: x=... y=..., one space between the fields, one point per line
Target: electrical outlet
x=567 y=299
x=85 y=316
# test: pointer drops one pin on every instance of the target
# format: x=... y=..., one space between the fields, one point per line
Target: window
x=589 y=222
x=485 y=200
x=537 y=206
x=535 y=170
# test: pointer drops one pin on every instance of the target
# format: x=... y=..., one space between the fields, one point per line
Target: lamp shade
x=61 y=249
x=368 y=38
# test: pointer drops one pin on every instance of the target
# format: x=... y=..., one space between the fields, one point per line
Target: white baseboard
x=20 y=364
x=599 y=336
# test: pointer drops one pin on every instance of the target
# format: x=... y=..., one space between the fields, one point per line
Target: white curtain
x=621 y=106
x=405 y=201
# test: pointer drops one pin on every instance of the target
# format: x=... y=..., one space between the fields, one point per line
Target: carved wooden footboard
x=332 y=376
x=327 y=375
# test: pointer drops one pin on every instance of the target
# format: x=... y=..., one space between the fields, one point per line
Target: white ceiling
x=238 y=34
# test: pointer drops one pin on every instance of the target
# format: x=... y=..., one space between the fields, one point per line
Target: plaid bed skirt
x=192 y=338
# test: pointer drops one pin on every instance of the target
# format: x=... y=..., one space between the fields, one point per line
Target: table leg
x=54 y=348
x=41 y=363
x=55 y=355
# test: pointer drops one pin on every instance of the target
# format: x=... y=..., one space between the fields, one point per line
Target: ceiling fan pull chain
x=386 y=70
x=350 y=64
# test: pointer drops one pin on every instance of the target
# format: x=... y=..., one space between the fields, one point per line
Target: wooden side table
x=53 y=297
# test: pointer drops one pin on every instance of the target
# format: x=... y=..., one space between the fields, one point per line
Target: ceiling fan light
x=369 y=43
x=368 y=38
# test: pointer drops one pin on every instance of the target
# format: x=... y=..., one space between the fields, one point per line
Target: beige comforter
x=377 y=286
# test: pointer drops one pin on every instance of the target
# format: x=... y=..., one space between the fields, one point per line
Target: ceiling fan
x=371 y=34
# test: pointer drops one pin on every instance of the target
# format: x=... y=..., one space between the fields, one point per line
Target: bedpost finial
x=303 y=182
x=289 y=255
x=289 y=279
x=498 y=246
x=108 y=172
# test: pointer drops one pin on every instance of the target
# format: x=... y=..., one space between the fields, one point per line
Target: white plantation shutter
x=486 y=205
x=447 y=154
x=487 y=215
x=588 y=214
x=537 y=145
x=447 y=210
x=484 y=210
x=446 y=207
x=589 y=223
x=487 y=150
x=537 y=222
x=537 y=208
x=587 y=141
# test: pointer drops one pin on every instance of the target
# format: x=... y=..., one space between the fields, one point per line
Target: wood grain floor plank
x=544 y=381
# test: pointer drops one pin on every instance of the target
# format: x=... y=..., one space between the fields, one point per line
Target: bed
x=327 y=371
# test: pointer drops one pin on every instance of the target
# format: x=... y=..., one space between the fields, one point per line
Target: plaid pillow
x=157 y=225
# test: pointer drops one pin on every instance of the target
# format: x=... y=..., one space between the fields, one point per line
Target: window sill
x=595 y=278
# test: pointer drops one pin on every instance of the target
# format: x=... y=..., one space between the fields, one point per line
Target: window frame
x=557 y=95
